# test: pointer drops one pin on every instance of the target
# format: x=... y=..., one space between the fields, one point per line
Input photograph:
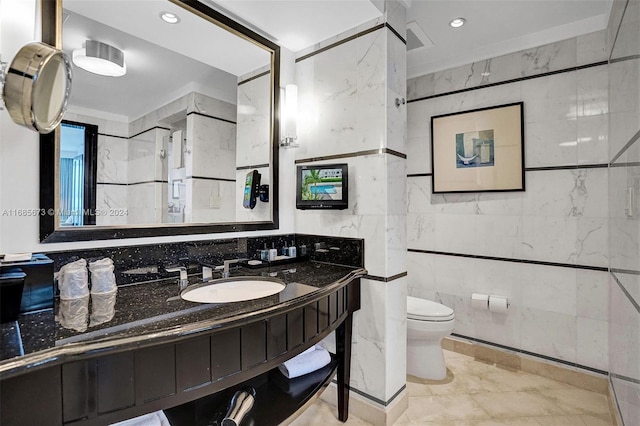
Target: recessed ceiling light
x=169 y=17
x=458 y=22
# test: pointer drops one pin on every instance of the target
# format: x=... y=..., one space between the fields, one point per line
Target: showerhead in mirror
x=36 y=86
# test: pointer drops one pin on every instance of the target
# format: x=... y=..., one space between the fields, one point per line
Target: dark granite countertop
x=148 y=313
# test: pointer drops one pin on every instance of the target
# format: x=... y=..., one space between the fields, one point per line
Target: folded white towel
x=17 y=257
x=152 y=419
x=310 y=360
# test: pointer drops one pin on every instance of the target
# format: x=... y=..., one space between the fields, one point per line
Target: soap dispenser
x=292 y=250
x=273 y=253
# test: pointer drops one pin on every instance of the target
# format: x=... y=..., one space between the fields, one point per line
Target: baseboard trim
x=614 y=408
x=518 y=361
x=368 y=410
x=533 y=354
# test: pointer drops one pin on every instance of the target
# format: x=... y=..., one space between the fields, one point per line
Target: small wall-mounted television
x=322 y=187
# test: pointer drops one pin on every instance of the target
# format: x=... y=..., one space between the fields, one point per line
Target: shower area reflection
x=78 y=143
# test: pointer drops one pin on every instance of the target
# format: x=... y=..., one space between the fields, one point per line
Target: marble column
x=347 y=101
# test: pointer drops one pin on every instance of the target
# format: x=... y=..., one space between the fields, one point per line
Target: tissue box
x=11 y=285
x=38 y=283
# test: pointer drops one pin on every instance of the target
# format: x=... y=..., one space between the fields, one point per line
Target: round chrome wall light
x=36 y=87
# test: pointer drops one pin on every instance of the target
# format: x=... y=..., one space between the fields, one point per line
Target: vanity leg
x=343 y=351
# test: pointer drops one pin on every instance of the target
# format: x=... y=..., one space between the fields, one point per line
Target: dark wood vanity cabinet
x=100 y=389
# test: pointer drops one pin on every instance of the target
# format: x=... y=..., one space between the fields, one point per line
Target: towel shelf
x=278 y=400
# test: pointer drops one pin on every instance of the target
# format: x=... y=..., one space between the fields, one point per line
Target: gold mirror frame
x=50 y=232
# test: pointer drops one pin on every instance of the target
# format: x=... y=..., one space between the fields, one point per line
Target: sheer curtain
x=71 y=190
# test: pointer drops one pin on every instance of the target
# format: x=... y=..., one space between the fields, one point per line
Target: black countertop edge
x=110 y=345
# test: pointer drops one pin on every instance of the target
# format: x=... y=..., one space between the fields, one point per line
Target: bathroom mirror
x=36 y=87
x=162 y=144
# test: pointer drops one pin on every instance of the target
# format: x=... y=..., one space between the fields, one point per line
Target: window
x=78 y=159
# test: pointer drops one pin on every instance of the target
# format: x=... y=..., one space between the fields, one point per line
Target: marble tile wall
x=210 y=147
x=624 y=208
x=544 y=248
x=209 y=200
x=146 y=178
x=254 y=106
x=132 y=176
x=111 y=197
x=112 y=166
x=210 y=169
x=112 y=159
x=112 y=177
x=145 y=203
x=346 y=101
x=253 y=143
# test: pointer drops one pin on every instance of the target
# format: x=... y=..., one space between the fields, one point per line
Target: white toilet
x=427 y=323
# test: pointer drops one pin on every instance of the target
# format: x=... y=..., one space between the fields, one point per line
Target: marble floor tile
x=476 y=393
x=522 y=381
x=597 y=420
x=579 y=401
x=323 y=414
x=444 y=408
x=517 y=404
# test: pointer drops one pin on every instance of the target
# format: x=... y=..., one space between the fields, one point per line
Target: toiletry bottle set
x=270 y=255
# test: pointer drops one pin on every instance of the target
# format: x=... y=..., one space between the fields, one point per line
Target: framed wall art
x=478 y=150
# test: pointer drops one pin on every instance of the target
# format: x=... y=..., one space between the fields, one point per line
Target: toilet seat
x=426 y=310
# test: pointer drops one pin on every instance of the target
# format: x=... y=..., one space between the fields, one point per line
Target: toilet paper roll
x=498 y=304
x=479 y=301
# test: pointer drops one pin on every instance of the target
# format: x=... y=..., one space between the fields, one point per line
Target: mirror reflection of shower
x=77 y=167
x=177 y=188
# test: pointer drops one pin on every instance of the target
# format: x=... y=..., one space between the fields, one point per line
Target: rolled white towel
x=310 y=360
x=157 y=418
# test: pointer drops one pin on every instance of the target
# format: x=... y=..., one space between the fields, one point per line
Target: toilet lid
x=426 y=310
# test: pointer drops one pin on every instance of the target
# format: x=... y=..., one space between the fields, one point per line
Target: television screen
x=322 y=187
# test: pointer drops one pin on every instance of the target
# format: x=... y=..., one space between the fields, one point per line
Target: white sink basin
x=234 y=289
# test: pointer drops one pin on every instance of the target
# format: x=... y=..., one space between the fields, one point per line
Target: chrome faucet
x=183 y=282
x=225 y=266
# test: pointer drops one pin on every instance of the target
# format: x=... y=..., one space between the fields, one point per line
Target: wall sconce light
x=100 y=58
x=290 y=117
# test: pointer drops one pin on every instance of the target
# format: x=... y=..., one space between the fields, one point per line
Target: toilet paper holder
x=479 y=301
x=498 y=304
x=493 y=303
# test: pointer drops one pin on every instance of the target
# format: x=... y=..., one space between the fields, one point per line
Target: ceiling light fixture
x=457 y=23
x=169 y=17
x=100 y=58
